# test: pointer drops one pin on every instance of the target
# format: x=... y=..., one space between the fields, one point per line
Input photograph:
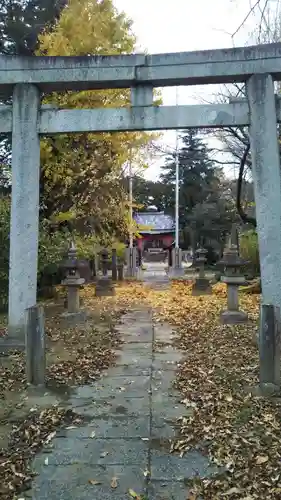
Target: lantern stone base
x=74 y=318
x=201 y=286
x=233 y=317
x=104 y=287
x=176 y=272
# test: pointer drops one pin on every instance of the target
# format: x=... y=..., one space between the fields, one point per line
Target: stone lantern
x=202 y=284
x=233 y=278
x=104 y=261
x=104 y=285
x=73 y=281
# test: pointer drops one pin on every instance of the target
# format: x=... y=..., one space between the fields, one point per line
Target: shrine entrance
x=25 y=79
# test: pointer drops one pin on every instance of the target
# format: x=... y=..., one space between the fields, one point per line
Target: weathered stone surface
x=92 y=451
x=131 y=417
x=167 y=490
x=74 y=482
x=179 y=469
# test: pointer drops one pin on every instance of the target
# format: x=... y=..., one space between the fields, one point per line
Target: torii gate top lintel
x=55 y=73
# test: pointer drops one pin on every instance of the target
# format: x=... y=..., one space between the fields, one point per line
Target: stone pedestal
x=201 y=286
x=73 y=284
x=104 y=287
x=233 y=280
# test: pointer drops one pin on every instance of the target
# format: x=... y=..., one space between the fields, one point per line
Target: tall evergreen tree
x=196 y=174
x=21 y=21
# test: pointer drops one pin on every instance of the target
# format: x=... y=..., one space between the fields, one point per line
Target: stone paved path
x=130 y=414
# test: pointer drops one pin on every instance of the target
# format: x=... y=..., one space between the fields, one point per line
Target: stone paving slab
x=166 y=360
x=137 y=358
x=169 y=407
x=68 y=450
x=131 y=421
x=167 y=490
x=112 y=427
x=134 y=386
x=74 y=482
x=179 y=469
x=128 y=371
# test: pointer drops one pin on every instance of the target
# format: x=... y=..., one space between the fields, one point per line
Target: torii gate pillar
x=267 y=182
x=24 y=207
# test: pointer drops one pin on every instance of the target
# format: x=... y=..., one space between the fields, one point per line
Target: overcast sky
x=186 y=25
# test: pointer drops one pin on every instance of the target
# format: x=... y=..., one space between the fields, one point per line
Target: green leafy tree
x=147 y=192
x=83 y=173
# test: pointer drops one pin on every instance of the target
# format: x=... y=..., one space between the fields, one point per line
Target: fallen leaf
x=104 y=454
x=94 y=482
x=232 y=491
x=146 y=473
x=114 y=482
x=133 y=494
x=261 y=459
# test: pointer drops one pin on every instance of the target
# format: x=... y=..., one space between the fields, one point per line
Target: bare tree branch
x=246 y=18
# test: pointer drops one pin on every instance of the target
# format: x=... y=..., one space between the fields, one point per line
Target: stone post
x=170 y=258
x=93 y=264
x=72 y=282
x=131 y=261
x=114 y=264
x=24 y=208
x=35 y=346
x=233 y=279
x=265 y=155
x=120 y=271
x=269 y=347
x=201 y=285
x=177 y=269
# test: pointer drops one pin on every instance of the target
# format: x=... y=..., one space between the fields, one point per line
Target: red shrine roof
x=157 y=222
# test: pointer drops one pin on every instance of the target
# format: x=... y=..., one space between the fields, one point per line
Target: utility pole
x=177 y=180
x=131 y=198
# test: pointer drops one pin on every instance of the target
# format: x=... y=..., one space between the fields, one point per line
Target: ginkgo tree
x=82 y=173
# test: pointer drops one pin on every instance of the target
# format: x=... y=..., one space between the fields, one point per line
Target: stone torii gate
x=26 y=78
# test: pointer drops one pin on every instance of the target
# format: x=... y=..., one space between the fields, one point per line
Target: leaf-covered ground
x=76 y=355
x=240 y=431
